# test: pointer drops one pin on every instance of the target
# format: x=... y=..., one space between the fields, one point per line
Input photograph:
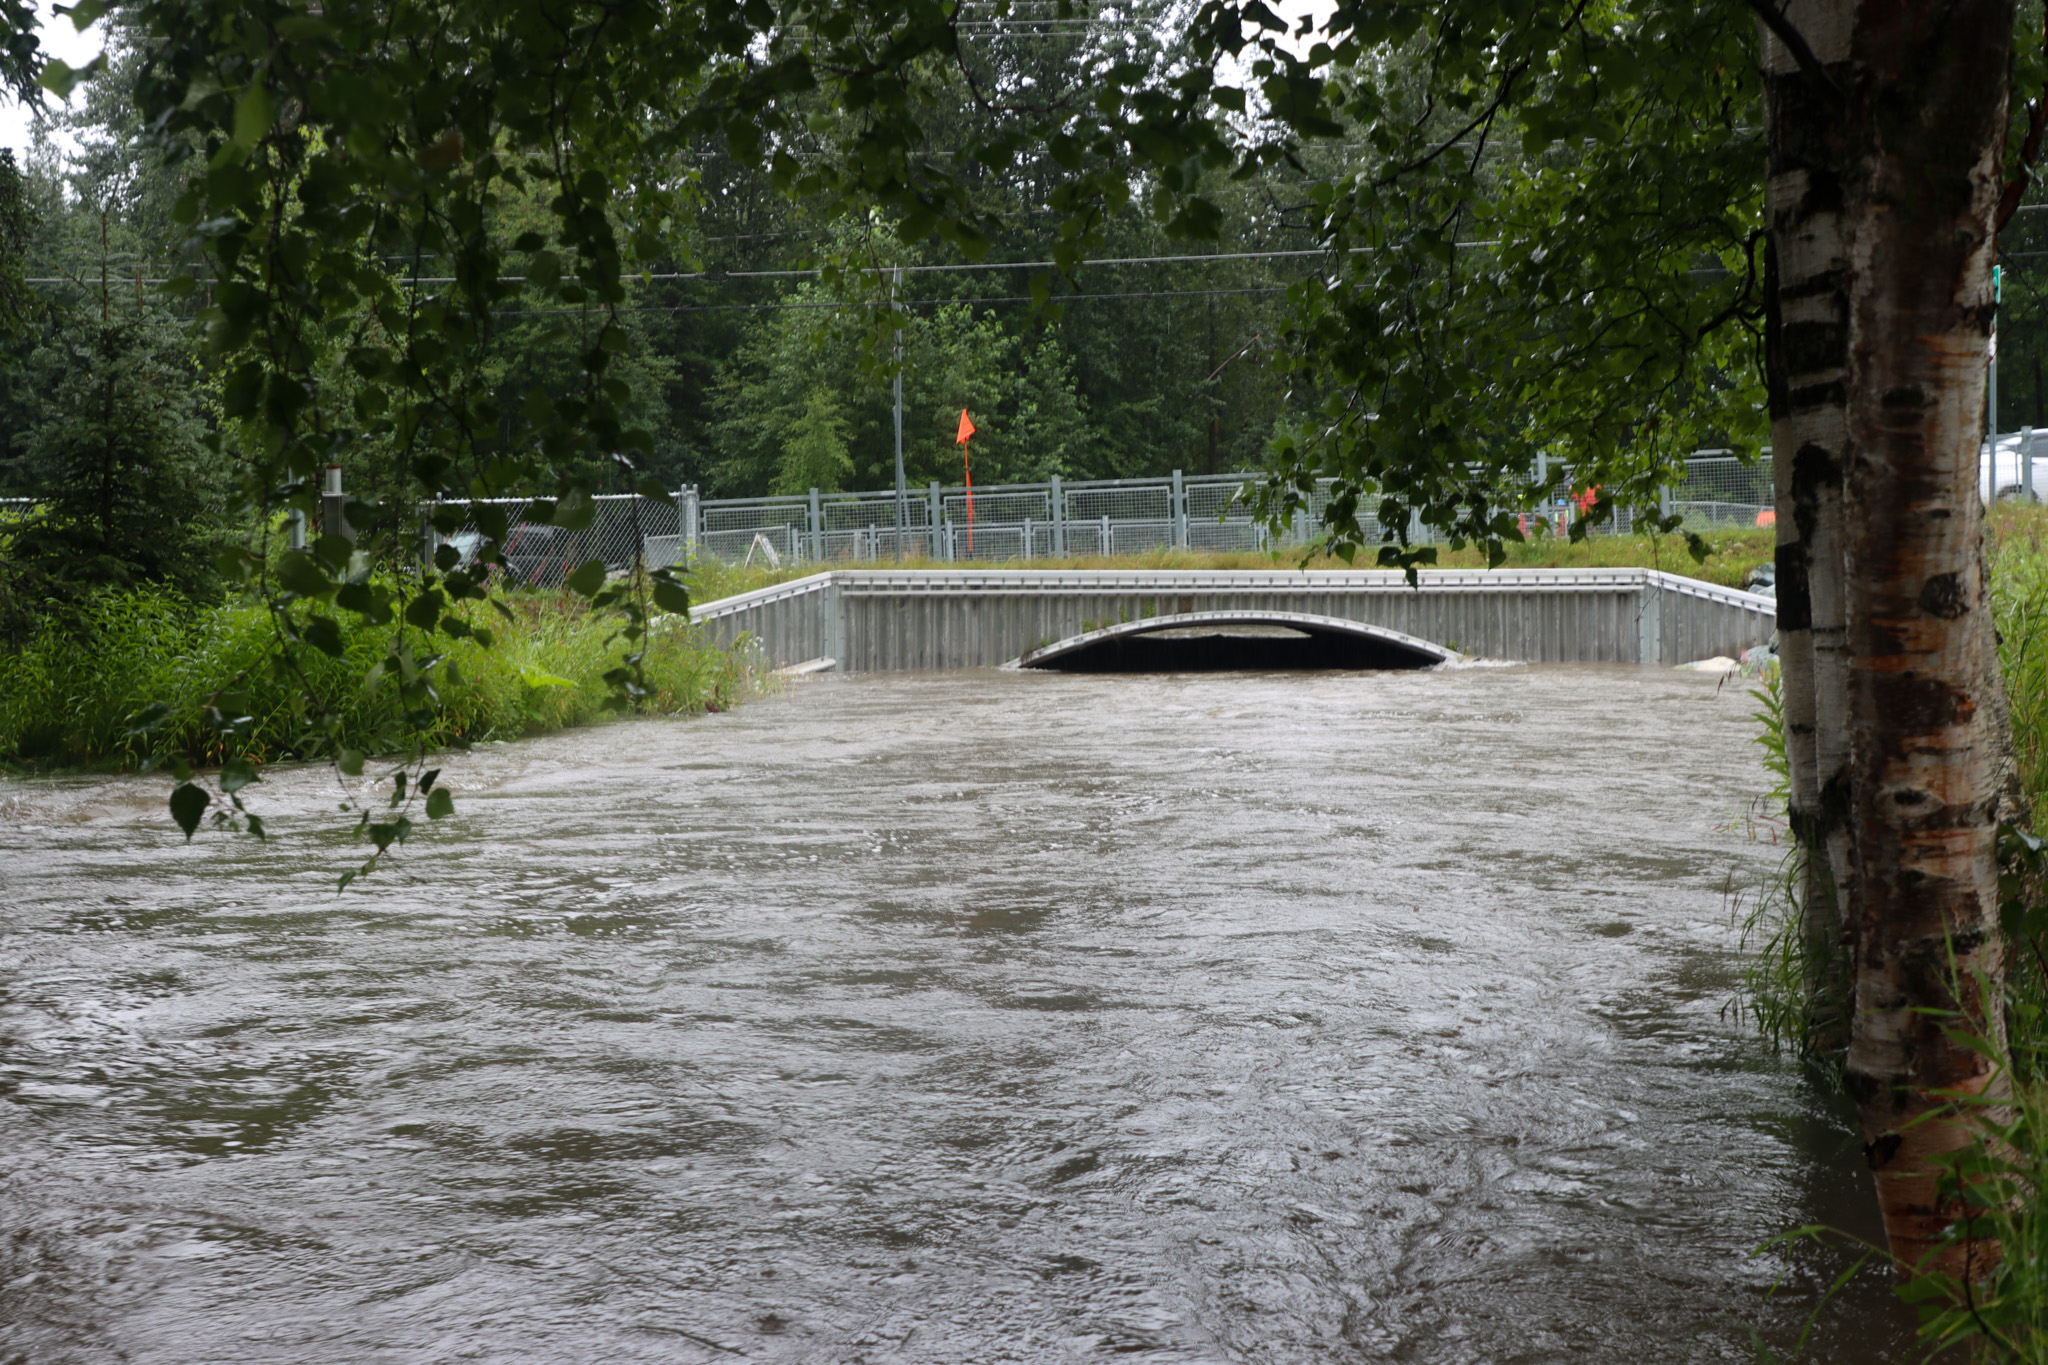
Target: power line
x=902 y=303
x=717 y=276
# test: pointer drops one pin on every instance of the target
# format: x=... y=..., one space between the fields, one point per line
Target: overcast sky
x=60 y=40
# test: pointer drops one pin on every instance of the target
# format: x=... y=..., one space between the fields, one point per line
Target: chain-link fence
x=1011 y=522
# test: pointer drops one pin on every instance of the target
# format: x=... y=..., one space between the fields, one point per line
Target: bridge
x=874 y=620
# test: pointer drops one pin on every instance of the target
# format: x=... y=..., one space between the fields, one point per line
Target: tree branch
x=2030 y=152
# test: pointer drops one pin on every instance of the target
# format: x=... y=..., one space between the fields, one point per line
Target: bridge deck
x=874 y=620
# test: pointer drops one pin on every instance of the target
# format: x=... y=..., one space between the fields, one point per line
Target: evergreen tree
x=131 y=494
x=814 y=453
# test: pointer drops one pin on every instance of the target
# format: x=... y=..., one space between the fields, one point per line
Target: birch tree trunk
x=1807 y=357
x=1925 y=92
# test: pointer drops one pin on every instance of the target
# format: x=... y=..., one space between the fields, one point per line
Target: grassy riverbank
x=1735 y=554
x=69 y=696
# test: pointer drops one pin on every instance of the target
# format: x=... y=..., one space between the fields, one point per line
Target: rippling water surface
x=976 y=1017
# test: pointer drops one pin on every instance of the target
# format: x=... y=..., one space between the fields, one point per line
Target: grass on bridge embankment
x=1735 y=554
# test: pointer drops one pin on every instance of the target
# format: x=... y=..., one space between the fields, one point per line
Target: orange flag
x=967 y=430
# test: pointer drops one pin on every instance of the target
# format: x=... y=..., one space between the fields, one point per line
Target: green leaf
x=236 y=774
x=188 y=806
x=651 y=489
x=439 y=803
x=59 y=77
x=297 y=573
x=323 y=634
x=537 y=677
x=334 y=552
x=672 y=596
x=254 y=116
x=149 y=718
x=350 y=761
x=575 y=511
x=587 y=579
x=424 y=611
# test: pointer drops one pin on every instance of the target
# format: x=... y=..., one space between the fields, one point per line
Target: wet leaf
x=439 y=803
x=587 y=579
x=188 y=806
x=236 y=774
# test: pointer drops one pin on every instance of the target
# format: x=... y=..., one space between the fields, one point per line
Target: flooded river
x=966 y=1018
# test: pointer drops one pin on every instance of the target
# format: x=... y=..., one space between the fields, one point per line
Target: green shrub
x=70 y=695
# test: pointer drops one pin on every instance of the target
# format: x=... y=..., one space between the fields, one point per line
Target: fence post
x=2027 y=463
x=938 y=517
x=295 y=529
x=1180 y=512
x=1059 y=520
x=334 y=507
x=817 y=529
x=1106 y=542
x=1663 y=499
x=692 y=510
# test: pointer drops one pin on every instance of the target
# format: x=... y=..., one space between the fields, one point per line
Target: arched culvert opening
x=1211 y=641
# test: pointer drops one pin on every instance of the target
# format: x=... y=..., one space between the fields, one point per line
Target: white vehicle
x=2003 y=473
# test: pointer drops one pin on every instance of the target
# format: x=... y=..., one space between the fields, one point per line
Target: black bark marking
x=1795 y=595
x=1905 y=396
x=1918 y=705
x=1811 y=346
x=1944 y=597
x=1830 y=395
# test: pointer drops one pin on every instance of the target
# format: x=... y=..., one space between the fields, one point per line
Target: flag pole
x=967 y=464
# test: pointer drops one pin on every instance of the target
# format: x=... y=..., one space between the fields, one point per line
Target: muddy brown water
x=975 y=1017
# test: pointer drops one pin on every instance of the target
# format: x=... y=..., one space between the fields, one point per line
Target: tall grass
x=70 y=695
x=2002 y=1182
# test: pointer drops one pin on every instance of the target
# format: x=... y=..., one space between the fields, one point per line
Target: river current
x=951 y=1018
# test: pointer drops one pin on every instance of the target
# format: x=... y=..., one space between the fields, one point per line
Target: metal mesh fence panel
x=729 y=529
x=1720 y=491
x=1021 y=522
x=538 y=554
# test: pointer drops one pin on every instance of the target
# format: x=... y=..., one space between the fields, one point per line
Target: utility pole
x=902 y=488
